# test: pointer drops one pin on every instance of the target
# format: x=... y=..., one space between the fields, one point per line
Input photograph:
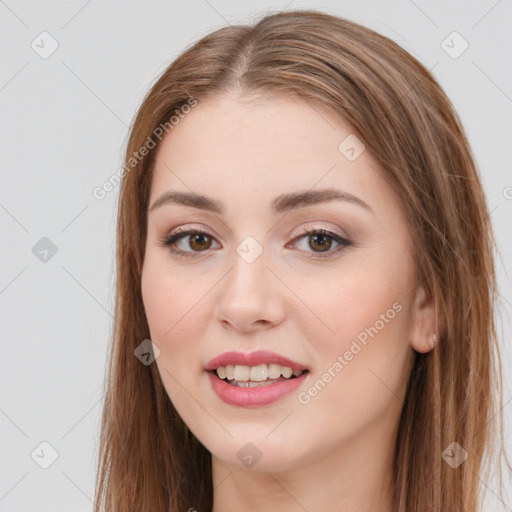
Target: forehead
x=240 y=128
x=240 y=151
x=228 y=138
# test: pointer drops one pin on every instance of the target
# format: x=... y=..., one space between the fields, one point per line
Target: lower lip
x=247 y=397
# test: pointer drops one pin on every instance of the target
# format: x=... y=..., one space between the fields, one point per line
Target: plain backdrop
x=72 y=76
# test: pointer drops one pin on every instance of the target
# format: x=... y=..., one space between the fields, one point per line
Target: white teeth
x=286 y=372
x=260 y=373
x=241 y=372
x=274 y=371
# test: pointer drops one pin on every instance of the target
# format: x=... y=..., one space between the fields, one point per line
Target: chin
x=255 y=453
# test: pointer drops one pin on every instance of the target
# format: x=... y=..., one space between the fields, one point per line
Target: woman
x=305 y=293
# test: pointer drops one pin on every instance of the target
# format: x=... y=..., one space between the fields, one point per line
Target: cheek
x=173 y=320
x=169 y=300
x=360 y=339
x=346 y=307
x=177 y=311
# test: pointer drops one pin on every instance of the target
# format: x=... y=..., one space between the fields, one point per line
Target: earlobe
x=434 y=340
x=424 y=328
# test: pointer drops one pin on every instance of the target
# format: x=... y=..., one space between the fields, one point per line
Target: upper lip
x=252 y=359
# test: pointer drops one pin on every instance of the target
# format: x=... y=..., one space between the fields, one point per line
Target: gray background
x=64 y=121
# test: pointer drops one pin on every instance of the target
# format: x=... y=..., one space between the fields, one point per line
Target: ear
x=424 y=323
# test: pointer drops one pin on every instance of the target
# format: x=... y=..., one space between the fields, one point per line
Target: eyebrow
x=282 y=203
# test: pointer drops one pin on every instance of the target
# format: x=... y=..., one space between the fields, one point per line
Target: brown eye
x=197 y=241
x=321 y=241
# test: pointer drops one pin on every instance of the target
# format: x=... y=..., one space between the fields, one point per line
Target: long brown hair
x=148 y=458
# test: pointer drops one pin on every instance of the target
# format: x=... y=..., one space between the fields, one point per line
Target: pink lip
x=247 y=397
x=252 y=359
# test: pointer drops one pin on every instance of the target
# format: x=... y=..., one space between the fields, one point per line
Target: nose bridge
x=248 y=274
x=248 y=295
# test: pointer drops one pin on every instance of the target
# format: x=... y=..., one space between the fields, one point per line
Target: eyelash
x=169 y=241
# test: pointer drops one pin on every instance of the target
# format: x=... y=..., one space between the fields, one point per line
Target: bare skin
x=328 y=450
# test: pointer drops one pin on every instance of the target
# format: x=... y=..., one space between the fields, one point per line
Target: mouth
x=254 y=379
x=256 y=376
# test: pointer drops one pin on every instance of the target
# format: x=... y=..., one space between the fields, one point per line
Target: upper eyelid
x=304 y=229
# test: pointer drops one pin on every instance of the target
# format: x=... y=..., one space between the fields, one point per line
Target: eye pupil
x=325 y=237
x=193 y=239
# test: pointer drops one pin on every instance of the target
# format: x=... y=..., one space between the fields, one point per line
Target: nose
x=250 y=296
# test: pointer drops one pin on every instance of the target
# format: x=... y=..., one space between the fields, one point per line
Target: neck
x=356 y=477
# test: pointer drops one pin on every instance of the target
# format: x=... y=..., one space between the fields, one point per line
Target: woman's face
x=341 y=305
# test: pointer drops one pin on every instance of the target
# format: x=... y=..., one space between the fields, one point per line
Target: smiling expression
x=252 y=181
